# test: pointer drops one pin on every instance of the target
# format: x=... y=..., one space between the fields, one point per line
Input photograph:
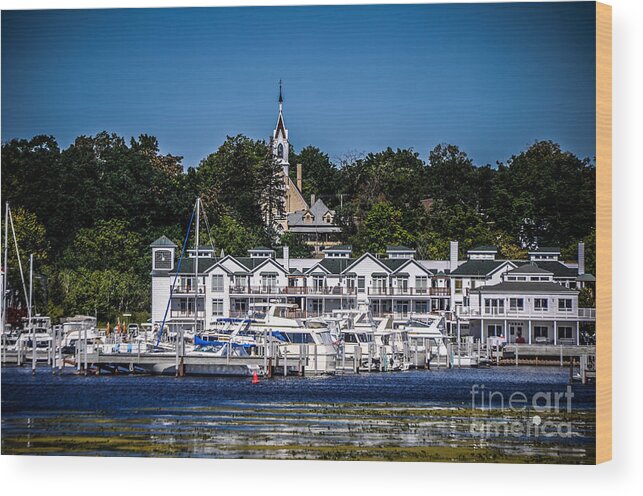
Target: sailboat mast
x=29 y=314
x=5 y=266
x=196 y=267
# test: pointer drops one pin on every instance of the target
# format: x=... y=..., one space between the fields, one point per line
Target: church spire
x=281 y=98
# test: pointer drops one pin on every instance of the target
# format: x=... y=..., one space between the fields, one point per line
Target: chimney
x=312 y=199
x=453 y=255
x=287 y=258
x=299 y=177
x=581 y=258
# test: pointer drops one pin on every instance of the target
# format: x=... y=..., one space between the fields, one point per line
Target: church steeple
x=280 y=143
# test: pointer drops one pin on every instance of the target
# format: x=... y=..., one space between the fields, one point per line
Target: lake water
x=414 y=415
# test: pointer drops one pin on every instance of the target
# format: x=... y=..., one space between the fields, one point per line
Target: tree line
x=89 y=211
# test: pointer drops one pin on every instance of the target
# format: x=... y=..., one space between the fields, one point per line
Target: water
x=408 y=415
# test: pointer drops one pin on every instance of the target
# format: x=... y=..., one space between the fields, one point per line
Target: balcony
x=292 y=290
x=186 y=314
x=517 y=313
x=188 y=290
x=409 y=291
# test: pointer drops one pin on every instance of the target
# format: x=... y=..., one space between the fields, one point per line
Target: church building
x=314 y=222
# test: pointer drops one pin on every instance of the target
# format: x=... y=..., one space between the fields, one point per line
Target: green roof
x=398 y=248
x=557 y=268
x=477 y=267
x=163 y=241
x=586 y=278
x=336 y=265
x=525 y=287
x=187 y=265
x=484 y=248
x=339 y=248
x=394 y=263
x=546 y=249
x=529 y=268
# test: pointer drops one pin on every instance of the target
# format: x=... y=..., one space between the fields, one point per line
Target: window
x=318 y=283
x=280 y=151
x=268 y=282
x=540 y=304
x=162 y=259
x=494 y=330
x=422 y=306
x=361 y=284
x=350 y=283
x=240 y=282
x=516 y=304
x=458 y=286
x=217 y=283
x=564 y=305
x=317 y=306
x=422 y=283
x=217 y=307
x=541 y=332
x=494 y=306
x=565 y=332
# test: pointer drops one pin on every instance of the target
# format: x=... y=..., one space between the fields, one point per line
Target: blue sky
x=490 y=78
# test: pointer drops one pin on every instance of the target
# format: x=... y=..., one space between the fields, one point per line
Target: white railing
x=581 y=313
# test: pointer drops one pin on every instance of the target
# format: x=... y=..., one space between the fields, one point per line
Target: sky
x=490 y=78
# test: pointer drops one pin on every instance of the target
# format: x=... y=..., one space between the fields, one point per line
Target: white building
x=536 y=300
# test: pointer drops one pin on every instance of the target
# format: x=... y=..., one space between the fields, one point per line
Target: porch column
x=458 y=320
x=555 y=334
x=504 y=332
x=529 y=332
x=577 y=333
x=482 y=338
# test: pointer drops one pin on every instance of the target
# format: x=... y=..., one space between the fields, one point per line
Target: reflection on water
x=415 y=415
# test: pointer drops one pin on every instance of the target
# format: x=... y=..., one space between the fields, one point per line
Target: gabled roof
x=405 y=263
x=163 y=241
x=586 y=278
x=366 y=255
x=525 y=287
x=529 y=268
x=479 y=267
x=557 y=268
x=268 y=261
x=188 y=265
x=336 y=265
x=317 y=210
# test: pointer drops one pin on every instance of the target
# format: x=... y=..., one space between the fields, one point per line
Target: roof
x=546 y=249
x=477 y=267
x=586 y=278
x=261 y=248
x=525 y=287
x=336 y=265
x=394 y=263
x=163 y=241
x=317 y=210
x=398 y=248
x=529 y=268
x=339 y=248
x=483 y=248
x=557 y=268
x=187 y=265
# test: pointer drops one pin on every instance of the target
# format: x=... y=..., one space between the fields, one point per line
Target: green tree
x=319 y=175
x=382 y=226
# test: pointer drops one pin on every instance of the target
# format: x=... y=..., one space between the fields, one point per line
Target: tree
x=545 y=196
x=382 y=226
x=319 y=175
x=233 y=237
x=452 y=176
x=297 y=248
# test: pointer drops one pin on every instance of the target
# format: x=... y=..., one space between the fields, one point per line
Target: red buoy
x=255 y=377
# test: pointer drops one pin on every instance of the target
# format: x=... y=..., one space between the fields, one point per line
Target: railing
x=183 y=290
x=388 y=291
x=296 y=314
x=185 y=313
x=293 y=290
x=581 y=313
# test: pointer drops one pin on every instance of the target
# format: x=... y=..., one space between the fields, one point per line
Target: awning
x=379 y=274
x=402 y=274
x=269 y=273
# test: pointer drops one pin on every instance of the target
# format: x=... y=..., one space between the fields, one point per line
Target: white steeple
x=280 y=137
